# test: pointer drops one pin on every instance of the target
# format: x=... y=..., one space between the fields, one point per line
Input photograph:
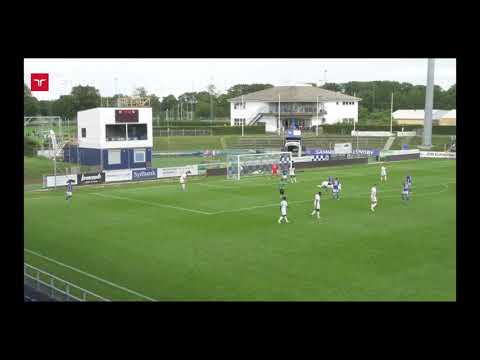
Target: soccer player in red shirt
x=274 y=169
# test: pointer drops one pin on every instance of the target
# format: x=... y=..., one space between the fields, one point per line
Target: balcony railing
x=296 y=110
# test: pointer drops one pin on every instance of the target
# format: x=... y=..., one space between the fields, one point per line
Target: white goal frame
x=238 y=160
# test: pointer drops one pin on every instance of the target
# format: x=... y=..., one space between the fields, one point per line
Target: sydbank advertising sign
x=144 y=174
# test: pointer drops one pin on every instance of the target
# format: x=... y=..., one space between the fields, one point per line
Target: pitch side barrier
x=397 y=155
x=124 y=175
x=438 y=155
x=306 y=162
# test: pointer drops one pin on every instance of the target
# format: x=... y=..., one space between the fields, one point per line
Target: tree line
x=374 y=107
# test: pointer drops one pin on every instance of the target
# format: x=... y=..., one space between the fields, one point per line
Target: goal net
x=242 y=165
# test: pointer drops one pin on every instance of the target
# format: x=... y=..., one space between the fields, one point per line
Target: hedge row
x=444 y=130
x=189 y=123
x=30 y=146
x=237 y=130
x=217 y=130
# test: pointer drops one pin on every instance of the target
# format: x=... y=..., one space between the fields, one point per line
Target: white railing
x=182 y=132
x=56 y=287
x=253 y=119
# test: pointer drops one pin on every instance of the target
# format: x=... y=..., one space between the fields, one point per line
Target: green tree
x=363 y=115
x=169 y=102
x=203 y=110
x=332 y=87
x=26 y=90
x=222 y=106
x=242 y=89
x=64 y=107
x=30 y=103
x=140 y=91
x=45 y=108
x=155 y=104
x=84 y=97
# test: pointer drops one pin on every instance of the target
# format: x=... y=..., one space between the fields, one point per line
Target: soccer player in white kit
x=283 y=210
x=373 y=197
x=183 y=180
x=316 y=205
x=383 y=174
x=293 y=178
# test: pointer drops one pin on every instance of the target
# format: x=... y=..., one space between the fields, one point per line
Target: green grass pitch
x=220 y=239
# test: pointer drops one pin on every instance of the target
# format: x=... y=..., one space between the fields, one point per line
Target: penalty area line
x=90 y=275
x=151 y=203
x=256 y=207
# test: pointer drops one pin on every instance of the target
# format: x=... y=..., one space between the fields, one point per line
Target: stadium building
x=449 y=118
x=113 y=138
x=283 y=107
x=416 y=117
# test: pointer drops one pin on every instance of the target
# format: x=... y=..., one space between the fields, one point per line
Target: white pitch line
x=151 y=203
x=257 y=207
x=90 y=275
x=218 y=186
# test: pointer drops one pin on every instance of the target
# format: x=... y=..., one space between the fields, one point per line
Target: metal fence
x=56 y=287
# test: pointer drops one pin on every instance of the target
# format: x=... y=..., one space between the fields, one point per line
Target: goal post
x=242 y=165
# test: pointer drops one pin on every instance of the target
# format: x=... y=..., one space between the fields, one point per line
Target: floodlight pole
x=243 y=108
x=278 y=121
x=391 y=115
x=427 y=125
x=54 y=163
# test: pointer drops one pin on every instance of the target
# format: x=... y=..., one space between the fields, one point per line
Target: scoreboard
x=126 y=116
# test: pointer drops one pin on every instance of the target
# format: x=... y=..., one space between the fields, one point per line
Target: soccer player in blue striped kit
x=69 y=193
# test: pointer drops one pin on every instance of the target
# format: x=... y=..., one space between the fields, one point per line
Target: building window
x=137 y=131
x=84 y=132
x=116 y=132
x=139 y=155
x=238 y=122
x=114 y=157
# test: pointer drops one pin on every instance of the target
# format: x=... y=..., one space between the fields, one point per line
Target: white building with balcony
x=303 y=107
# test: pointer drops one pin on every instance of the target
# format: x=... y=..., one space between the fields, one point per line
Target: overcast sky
x=176 y=76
